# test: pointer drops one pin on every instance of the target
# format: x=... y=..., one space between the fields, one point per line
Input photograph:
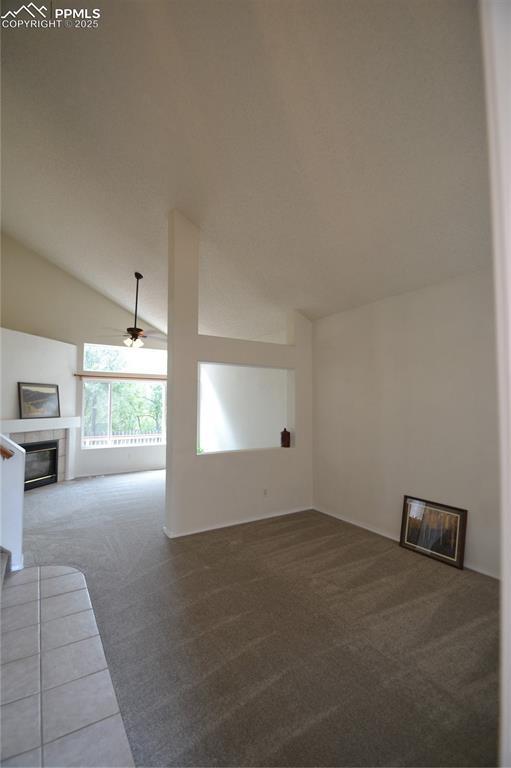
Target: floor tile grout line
x=58 y=594
x=22 y=698
x=61 y=575
x=15 y=605
x=74 y=680
x=22 y=584
x=25 y=626
x=7 y=607
x=41 y=596
x=55 y=618
x=23 y=602
x=83 y=727
x=6 y=585
x=71 y=591
x=58 y=618
x=22 y=658
x=20 y=754
x=72 y=642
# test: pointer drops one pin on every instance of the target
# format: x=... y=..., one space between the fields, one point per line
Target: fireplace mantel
x=37 y=425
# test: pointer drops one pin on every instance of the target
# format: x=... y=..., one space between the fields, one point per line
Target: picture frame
x=435 y=530
x=38 y=401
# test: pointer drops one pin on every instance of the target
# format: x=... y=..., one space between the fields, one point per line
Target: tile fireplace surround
x=43 y=435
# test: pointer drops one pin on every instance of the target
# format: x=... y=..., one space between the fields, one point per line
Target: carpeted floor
x=296 y=641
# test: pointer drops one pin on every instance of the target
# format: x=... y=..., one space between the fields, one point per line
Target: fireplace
x=41 y=463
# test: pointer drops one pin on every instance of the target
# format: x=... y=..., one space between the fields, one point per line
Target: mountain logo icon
x=32 y=10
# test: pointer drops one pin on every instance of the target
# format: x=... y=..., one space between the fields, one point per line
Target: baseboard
x=116 y=472
x=171 y=535
x=18 y=565
x=468 y=565
x=358 y=524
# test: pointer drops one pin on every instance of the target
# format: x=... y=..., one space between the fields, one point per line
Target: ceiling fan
x=135 y=335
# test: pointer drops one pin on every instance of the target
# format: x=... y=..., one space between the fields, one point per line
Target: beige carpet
x=296 y=641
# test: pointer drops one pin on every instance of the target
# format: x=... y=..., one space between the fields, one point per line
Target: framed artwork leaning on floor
x=433 y=529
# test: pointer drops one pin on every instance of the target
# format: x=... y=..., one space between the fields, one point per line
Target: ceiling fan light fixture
x=137 y=343
x=128 y=342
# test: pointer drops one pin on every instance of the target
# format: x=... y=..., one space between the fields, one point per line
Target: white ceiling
x=332 y=151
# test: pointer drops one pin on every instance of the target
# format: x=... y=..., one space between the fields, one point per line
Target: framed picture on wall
x=38 y=401
x=435 y=530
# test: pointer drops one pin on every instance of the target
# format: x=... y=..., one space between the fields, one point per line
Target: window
x=108 y=359
x=242 y=407
x=123 y=413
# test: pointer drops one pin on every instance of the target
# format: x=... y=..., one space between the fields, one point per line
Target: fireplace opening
x=41 y=463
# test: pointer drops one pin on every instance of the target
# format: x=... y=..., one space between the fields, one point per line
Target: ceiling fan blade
x=155 y=335
x=108 y=336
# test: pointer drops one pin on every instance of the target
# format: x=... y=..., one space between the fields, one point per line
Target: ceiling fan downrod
x=135 y=334
x=138 y=278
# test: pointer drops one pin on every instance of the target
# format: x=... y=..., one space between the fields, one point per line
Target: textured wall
x=405 y=403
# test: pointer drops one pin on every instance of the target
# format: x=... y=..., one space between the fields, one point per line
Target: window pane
x=242 y=407
x=108 y=359
x=95 y=408
x=137 y=408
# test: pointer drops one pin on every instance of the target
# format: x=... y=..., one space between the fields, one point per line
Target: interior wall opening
x=243 y=407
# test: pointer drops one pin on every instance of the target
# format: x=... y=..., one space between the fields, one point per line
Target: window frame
x=109 y=439
x=291 y=405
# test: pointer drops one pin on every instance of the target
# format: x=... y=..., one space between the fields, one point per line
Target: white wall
x=211 y=490
x=110 y=461
x=405 y=403
x=31 y=358
x=241 y=407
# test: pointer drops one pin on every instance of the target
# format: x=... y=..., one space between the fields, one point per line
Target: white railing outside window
x=120 y=441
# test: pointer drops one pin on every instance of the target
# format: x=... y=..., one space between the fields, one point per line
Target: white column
x=183 y=303
x=496 y=33
x=210 y=491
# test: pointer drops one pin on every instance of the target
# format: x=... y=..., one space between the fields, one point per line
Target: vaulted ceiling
x=333 y=152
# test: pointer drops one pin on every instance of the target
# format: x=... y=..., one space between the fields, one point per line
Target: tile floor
x=58 y=706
